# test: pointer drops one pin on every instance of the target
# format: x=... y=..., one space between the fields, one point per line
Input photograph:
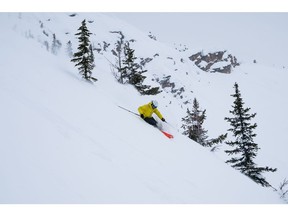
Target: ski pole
x=128 y=110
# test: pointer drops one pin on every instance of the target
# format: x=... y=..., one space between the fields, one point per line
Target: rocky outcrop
x=221 y=62
x=166 y=83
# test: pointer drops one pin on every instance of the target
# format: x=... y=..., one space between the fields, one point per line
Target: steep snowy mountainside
x=71 y=137
x=72 y=144
x=163 y=61
x=42 y=27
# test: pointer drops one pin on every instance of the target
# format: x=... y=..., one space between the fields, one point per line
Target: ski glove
x=163 y=120
x=142 y=116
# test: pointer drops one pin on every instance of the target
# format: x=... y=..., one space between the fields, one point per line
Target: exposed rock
x=166 y=83
x=221 y=62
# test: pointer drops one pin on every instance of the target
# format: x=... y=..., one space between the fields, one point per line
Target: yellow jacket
x=147 y=111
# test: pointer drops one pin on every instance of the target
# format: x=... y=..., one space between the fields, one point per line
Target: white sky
x=147 y=5
x=253 y=31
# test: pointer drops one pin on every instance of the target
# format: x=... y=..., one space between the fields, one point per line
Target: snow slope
x=64 y=140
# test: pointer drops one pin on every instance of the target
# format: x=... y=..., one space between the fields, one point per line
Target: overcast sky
x=263 y=35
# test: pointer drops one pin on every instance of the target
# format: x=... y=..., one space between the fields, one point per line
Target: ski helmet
x=154 y=104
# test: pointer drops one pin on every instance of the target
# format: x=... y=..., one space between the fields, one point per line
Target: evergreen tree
x=131 y=72
x=245 y=149
x=83 y=56
x=193 y=127
x=193 y=124
x=129 y=66
x=69 y=49
x=56 y=45
x=128 y=71
x=118 y=52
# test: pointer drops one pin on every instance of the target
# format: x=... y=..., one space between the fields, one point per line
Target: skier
x=147 y=110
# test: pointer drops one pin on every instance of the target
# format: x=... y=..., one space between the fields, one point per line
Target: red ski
x=170 y=136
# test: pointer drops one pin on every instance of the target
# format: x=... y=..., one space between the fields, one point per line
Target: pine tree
x=118 y=52
x=193 y=127
x=131 y=72
x=69 y=49
x=245 y=149
x=83 y=56
x=129 y=66
x=193 y=124
x=56 y=45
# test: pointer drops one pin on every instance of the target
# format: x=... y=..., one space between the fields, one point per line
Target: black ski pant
x=151 y=120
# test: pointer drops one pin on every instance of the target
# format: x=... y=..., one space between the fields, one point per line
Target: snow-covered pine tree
x=244 y=146
x=193 y=127
x=83 y=56
x=56 y=45
x=193 y=124
x=118 y=52
x=131 y=72
x=129 y=65
x=69 y=49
